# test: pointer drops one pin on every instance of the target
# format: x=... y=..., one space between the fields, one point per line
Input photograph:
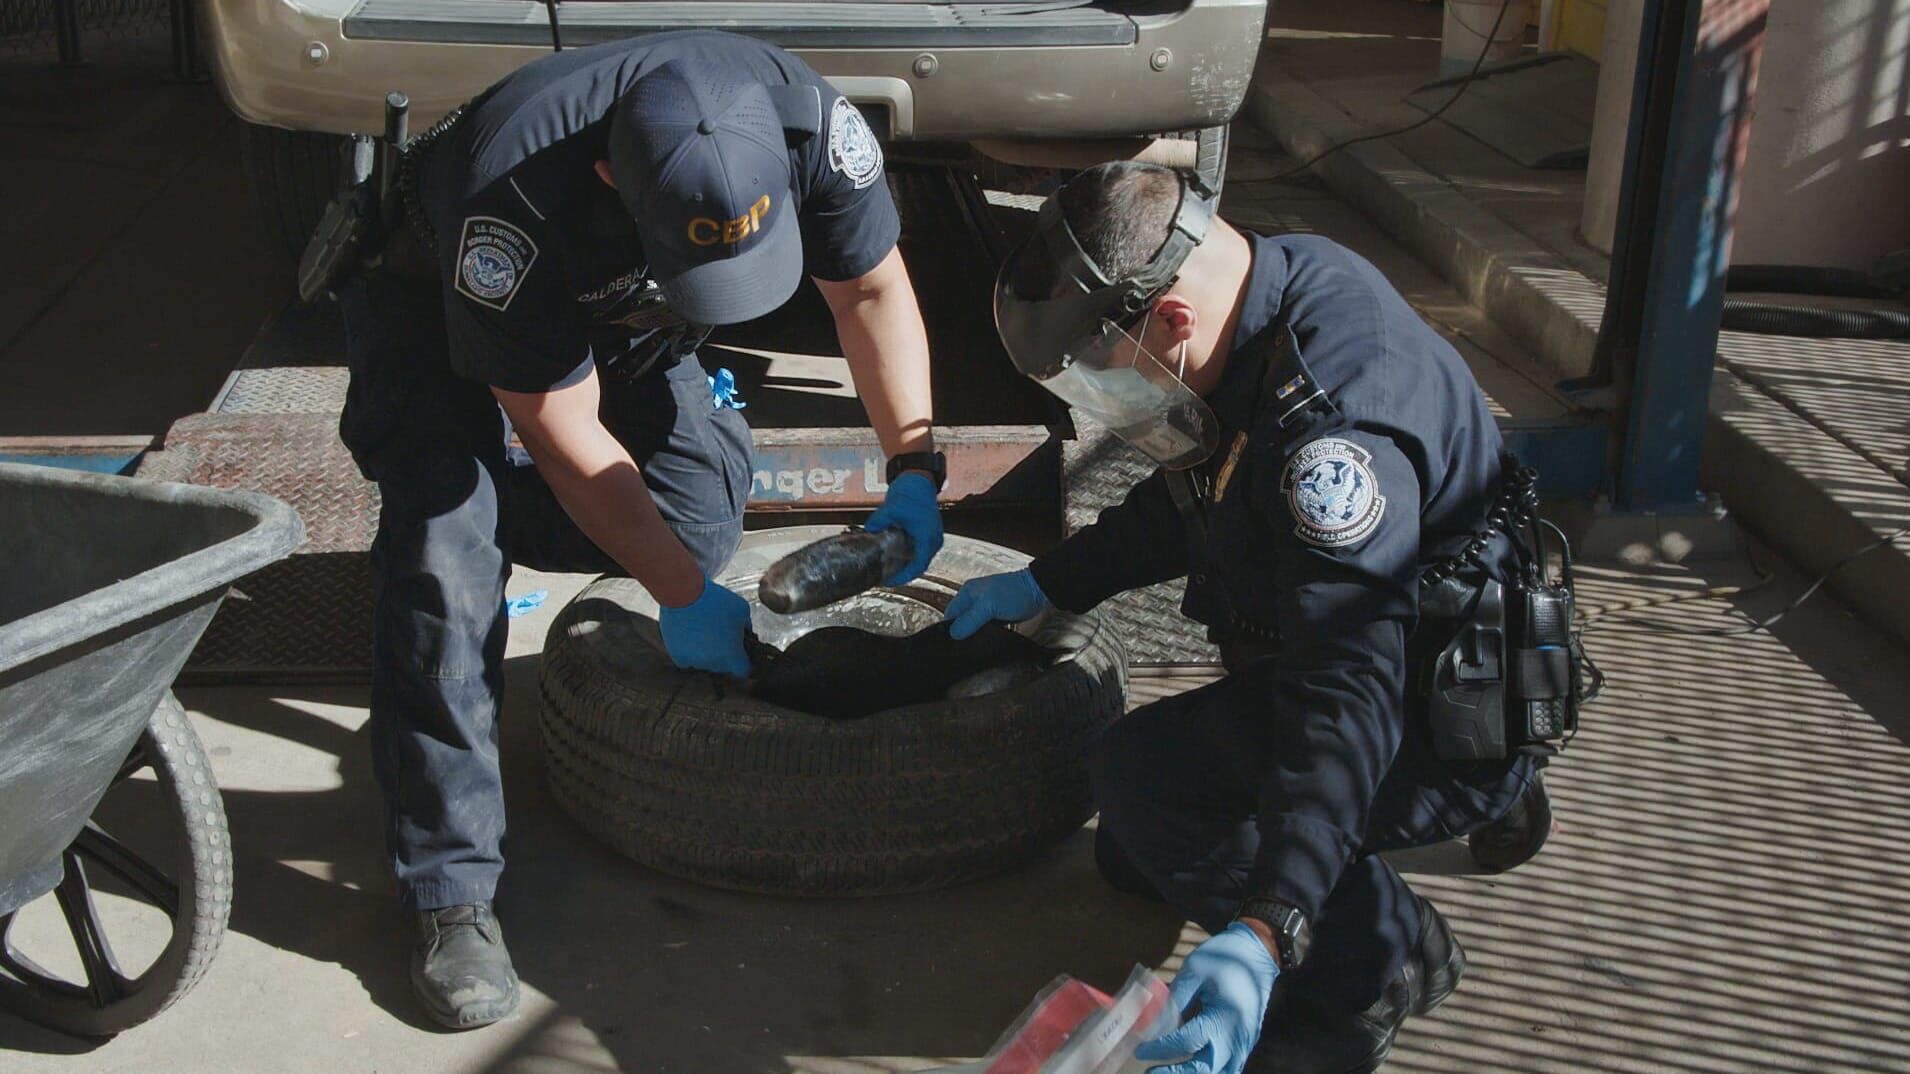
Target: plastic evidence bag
x=1073 y=1028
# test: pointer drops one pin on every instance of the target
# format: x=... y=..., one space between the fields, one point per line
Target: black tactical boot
x=1303 y=1038
x=1515 y=838
x=460 y=967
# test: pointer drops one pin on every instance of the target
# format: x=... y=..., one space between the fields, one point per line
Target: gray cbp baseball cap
x=701 y=161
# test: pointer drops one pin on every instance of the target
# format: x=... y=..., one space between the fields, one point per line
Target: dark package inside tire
x=846 y=673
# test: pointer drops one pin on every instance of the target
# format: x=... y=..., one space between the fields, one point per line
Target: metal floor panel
x=284 y=390
x=308 y=616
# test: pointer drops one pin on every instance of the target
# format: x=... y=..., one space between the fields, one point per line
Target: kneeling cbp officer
x=1324 y=456
x=581 y=222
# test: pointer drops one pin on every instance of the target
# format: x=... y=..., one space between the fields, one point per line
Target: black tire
x=109 y=1002
x=293 y=176
x=690 y=775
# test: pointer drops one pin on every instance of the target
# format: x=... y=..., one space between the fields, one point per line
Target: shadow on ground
x=648 y=973
x=668 y=976
x=1724 y=892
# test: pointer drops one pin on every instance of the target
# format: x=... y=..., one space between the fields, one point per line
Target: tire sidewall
x=961 y=787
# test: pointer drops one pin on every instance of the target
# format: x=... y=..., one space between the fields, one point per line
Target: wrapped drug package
x=1074 y=1028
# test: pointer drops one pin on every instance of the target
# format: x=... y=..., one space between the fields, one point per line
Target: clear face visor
x=1060 y=318
x=1119 y=383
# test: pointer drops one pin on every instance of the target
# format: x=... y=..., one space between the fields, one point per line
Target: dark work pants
x=456 y=512
x=1178 y=785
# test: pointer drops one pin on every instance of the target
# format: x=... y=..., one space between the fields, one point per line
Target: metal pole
x=1691 y=102
x=185 y=42
x=66 y=31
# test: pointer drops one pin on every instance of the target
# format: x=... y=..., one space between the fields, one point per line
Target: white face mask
x=1122 y=385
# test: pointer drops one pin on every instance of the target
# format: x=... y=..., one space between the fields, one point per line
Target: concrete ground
x=1722 y=893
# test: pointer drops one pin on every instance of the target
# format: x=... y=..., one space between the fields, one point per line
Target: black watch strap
x=1291 y=933
x=933 y=463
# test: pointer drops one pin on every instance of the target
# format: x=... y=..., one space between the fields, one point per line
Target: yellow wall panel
x=1581 y=26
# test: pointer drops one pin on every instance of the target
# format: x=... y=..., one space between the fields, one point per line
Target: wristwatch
x=1291 y=933
x=934 y=463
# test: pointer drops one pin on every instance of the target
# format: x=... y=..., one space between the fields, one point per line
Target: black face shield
x=1077 y=332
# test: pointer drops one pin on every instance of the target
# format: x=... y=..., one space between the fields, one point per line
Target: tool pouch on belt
x=1499 y=661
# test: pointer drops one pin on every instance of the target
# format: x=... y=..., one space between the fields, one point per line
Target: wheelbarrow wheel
x=197 y=901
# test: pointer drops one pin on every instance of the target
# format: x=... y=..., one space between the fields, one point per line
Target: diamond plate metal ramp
x=1097 y=469
x=284 y=390
x=309 y=616
x=273 y=428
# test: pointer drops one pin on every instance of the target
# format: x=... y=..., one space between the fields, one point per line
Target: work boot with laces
x=1302 y=1037
x=460 y=967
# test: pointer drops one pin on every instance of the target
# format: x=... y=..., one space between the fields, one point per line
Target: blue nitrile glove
x=1009 y=597
x=1232 y=976
x=707 y=633
x=910 y=504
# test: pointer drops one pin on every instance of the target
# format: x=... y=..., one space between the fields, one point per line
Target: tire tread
x=703 y=781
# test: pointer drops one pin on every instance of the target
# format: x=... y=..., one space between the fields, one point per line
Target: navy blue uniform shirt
x=562 y=278
x=1367 y=457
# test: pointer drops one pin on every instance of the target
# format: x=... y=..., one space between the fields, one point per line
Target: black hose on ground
x=1771 y=319
x=1781 y=319
x=1809 y=280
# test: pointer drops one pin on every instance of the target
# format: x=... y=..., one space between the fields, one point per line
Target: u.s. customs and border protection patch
x=493 y=257
x=1332 y=493
x=853 y=150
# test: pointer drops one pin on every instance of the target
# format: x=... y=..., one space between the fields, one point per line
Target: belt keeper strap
x=1541 y=674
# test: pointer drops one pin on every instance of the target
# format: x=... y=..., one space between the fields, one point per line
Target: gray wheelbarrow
x=106 y=584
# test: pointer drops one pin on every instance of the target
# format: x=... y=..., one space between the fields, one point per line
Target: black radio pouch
x=1507 y=679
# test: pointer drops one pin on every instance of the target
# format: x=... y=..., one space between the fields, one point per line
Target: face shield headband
x=1077 y=332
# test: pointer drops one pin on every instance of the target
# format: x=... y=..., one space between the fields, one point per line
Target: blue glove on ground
x=1232 y=976
x=1009 y=597
x=723 y=391
x=910 y=504
x=707 y=633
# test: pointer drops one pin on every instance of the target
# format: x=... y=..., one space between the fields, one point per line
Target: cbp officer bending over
x=1321 y=450
x=590 y=213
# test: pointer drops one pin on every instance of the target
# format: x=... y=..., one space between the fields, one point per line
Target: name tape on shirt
x=853 y=150
x=1332 y=493
x=493 y=258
